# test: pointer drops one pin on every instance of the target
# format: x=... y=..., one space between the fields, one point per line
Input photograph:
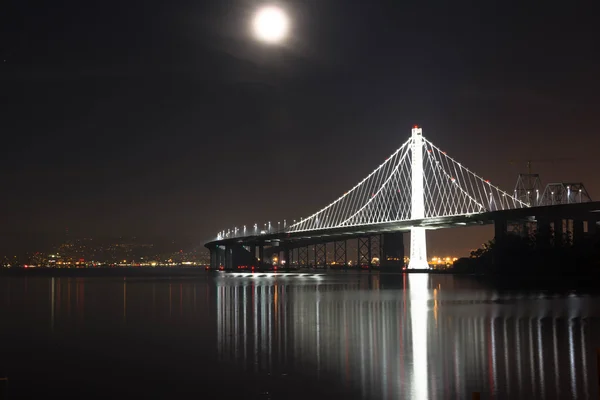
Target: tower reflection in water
x=417 y=337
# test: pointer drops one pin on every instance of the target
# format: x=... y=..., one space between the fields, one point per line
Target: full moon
x=270 y=24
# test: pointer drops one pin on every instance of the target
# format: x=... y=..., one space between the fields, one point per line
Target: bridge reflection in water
x=426 y=337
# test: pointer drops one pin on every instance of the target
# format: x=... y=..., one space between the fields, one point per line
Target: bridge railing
x=255 y=230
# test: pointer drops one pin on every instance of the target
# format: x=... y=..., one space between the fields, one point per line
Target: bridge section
x=418 y=187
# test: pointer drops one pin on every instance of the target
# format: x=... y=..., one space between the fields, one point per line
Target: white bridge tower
x=418 y=241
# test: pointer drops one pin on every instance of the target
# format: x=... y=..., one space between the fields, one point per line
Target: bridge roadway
x=385 y=240
x=589 y=211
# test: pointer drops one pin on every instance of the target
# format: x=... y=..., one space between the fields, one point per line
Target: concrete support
x=228 y=257
x=214 y=257
x=287 y=257
x=418 y=237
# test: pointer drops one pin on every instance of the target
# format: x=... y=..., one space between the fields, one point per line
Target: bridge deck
x=582 y=211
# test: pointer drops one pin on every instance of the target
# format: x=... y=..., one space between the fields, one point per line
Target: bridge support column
x=418 y=237
x=218 y=257
x=577 y=231
x=340 y=256
x=376 y=249
x=228 y=257
x=321 y=255
x=558 y=232
x=543 y=231
x=221 y=257
x=364 y=252
x=214 y=258
x=303 y=257
x=261 y=255
x=291 y=260
x=286 y=257
x=500 y=234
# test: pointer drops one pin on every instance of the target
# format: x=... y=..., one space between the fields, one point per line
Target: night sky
x=168 y=118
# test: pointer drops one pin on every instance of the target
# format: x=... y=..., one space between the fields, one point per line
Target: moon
x=270 y=24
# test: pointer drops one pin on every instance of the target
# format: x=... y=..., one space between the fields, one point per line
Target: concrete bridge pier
x=214 y=258
x=217 y=257
x=228 y=264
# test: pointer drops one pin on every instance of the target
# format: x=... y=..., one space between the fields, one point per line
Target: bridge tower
x=418 y=241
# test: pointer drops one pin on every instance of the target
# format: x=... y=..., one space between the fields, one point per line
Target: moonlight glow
x=270 y=24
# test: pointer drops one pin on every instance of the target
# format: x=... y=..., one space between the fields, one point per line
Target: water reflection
x=419 y=314
x=374 y=337
x=415 y=340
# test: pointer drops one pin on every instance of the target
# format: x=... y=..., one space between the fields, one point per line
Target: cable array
x=384 y=196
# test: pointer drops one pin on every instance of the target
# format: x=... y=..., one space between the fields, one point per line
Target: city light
x=442 y=262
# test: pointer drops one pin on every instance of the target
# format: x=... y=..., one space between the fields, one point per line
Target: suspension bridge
x=417 y=188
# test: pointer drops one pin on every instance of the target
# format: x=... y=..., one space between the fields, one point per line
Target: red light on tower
x=416 y=126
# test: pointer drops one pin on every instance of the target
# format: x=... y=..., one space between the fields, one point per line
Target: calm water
x=359 y=336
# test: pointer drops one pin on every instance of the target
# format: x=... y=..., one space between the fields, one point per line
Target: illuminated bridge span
x=416 y=188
